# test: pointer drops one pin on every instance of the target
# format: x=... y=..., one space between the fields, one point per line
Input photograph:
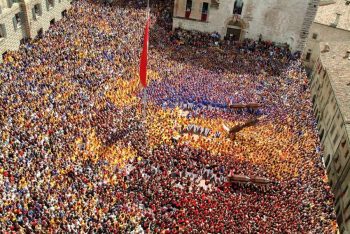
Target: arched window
x=237 y=8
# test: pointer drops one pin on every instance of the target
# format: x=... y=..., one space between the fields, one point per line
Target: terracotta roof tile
x=338 y=70
x=327 y=14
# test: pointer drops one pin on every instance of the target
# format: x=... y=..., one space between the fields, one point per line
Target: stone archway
x=290 y=42
x=235 y=28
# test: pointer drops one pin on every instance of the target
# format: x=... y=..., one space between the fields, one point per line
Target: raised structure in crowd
x=274 y=20
x=330 y=89
x=332 y=23
x=23 y=19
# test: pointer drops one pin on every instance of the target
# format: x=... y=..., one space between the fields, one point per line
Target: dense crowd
x=83 y=149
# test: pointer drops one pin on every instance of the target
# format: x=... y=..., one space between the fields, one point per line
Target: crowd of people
x=84 y=149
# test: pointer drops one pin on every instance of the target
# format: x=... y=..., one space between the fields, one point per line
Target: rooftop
x=338 y=70
x=327 y=14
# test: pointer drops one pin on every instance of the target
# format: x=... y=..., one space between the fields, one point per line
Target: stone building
x=23 y=19
x=330 y=87
x=273 y=20
x=332 y=23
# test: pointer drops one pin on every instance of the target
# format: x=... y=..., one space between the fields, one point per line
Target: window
x=308 y=56
x=344 y=190
x=64 y=13
x=330 y=183
x=23 y=40
x=342 y=229
x=335 y=105
x=338 y=116
x=338 y=167
x=2 y=31
x=17 y=21
x=317 y=118
x=340 y=218
x=327 y=160
x=336 y=157
x=36 y=11
x=50 y=4
x=314 y=36
x=40 y=33
x=52 y=22
x=188 y=8
x=188 y=5
x=237 y=8
x=205 y=8
x=329 y=90
x=11 y=2
x=333 y=128
x=347 y=205
x=321 y=134
x=335 y=138
x=4 y=55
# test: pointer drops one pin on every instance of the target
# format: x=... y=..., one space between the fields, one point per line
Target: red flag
x=144 y=56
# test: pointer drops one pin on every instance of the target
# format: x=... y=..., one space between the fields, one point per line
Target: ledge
x=326 y=2
x=189 y=19
x=8 y=11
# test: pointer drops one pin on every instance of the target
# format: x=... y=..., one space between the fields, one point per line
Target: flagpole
x=144 y=96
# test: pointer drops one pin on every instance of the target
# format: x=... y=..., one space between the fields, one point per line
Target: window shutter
x=21 y=16
x=10 y=2
x=33 y=12
x=47 y=5
x=14 y=23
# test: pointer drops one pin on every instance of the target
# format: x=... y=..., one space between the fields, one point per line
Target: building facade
x=332 y=23
x=273 y=20
x=23 y=19
x=330 y=88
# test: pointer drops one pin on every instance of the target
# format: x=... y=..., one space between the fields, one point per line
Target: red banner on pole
x=144 y=56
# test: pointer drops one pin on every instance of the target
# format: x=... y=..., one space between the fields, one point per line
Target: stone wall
x=30 y=24
x=276 y=20
x=47 y=15
x=331 y=126
x=13 y=36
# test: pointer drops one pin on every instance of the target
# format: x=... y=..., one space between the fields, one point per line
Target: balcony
x=204 y=17
x=215 y=4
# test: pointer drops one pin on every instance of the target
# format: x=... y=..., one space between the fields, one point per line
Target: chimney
x=326 y=48
x=347 y=55
x=336 y=22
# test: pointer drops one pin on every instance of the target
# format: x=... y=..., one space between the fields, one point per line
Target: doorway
x=52 y=22
x=4 y=55
x=64 y=13
x=40 y=33
x=233 y=34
